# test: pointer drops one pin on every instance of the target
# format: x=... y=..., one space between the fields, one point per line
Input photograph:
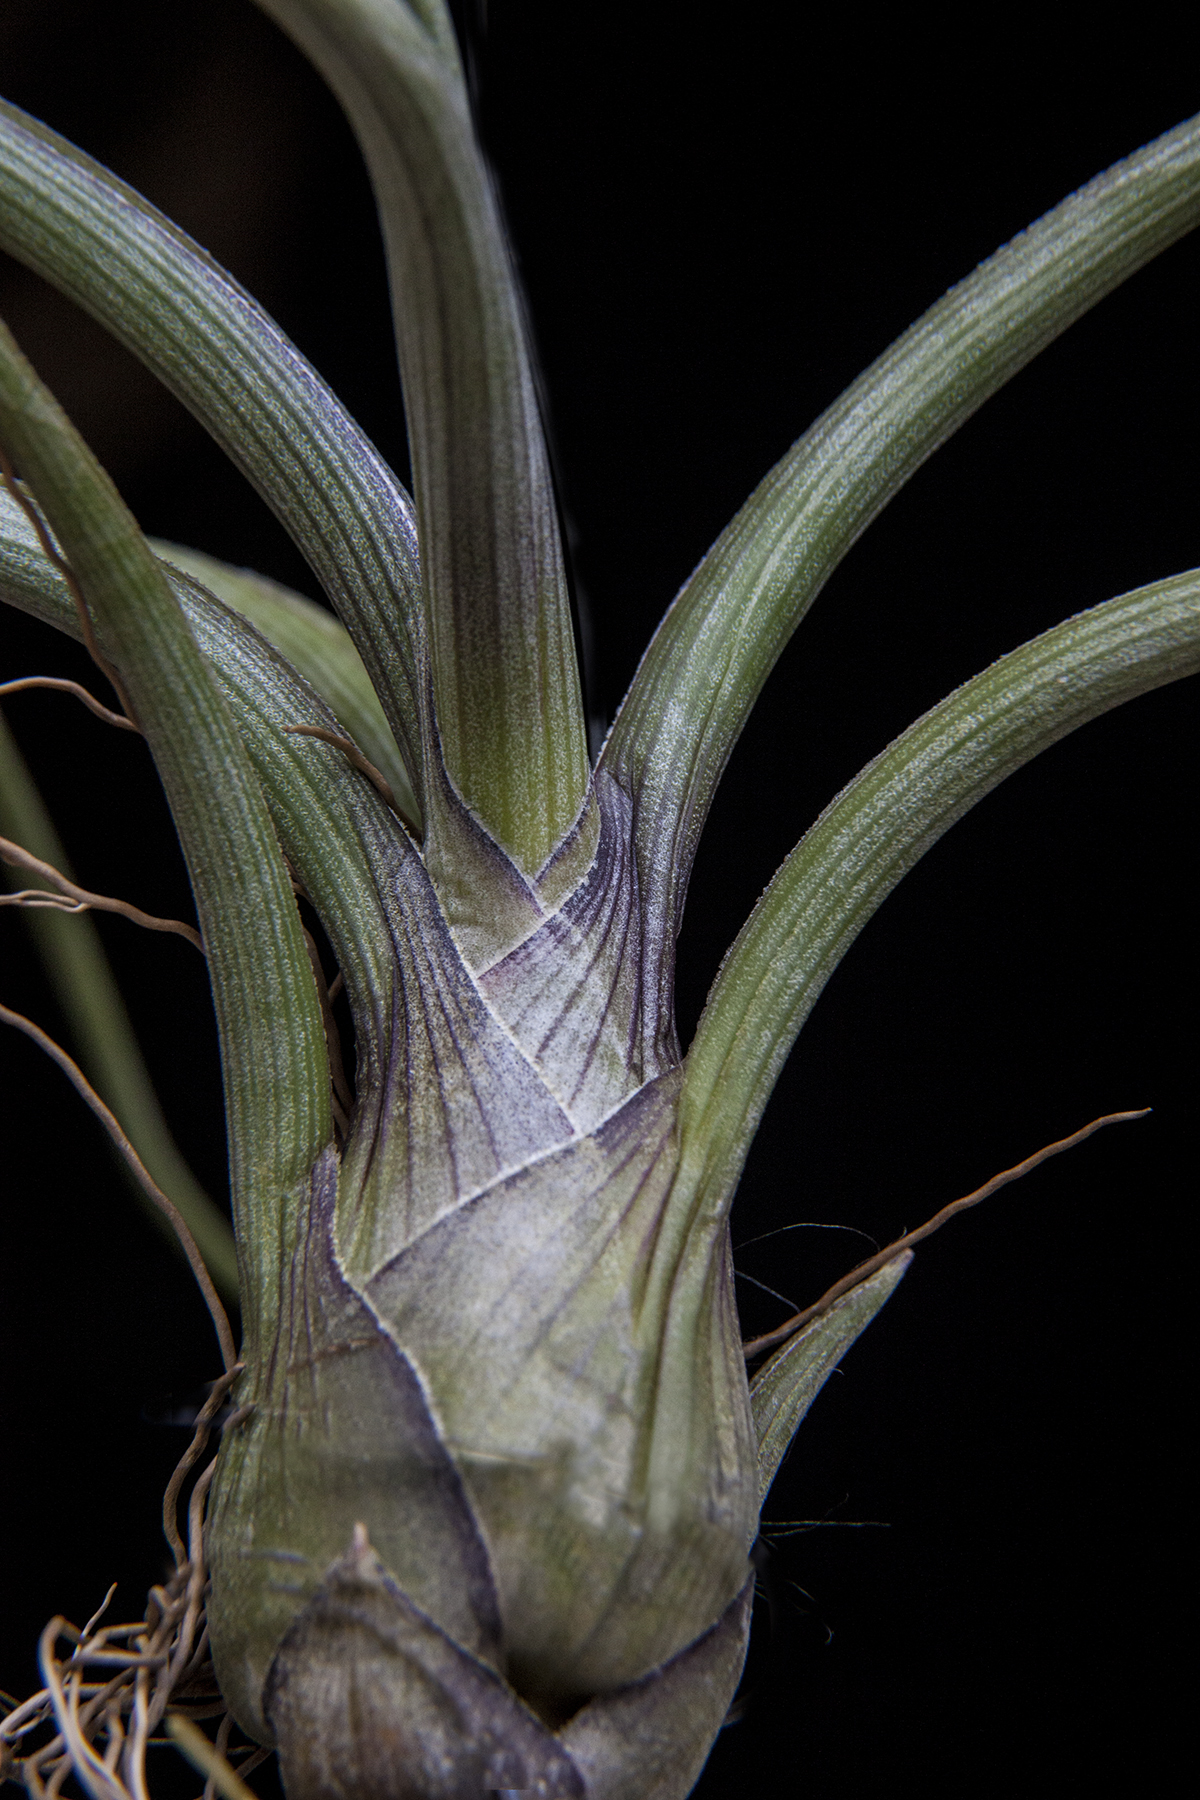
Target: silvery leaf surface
x=371 y=1701
x=494 y=1283
x=462 y=1169
x=575 y=992
x=340 y=1428
x=501 y=1388
x=651 y=1737
x=540 y=1315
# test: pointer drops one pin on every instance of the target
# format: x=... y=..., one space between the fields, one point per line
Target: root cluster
x=109 y=1688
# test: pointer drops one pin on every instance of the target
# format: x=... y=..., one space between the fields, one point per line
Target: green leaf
x=445 y=1101
x=500 y=636
x=463 y=1176
x=268 y=1016
x=164 y=298
x=788 y=1382
x=91 y=1002
x=334 y=829
x=882 y=824
x=316 y=644
x=710 y=656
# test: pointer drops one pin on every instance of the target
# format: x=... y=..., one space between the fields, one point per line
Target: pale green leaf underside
x=713 y=651
x=787 y=1384
x=880 y=826
x=268 y=1017
x=315 y=643
x=500 y=638
x=87 y=992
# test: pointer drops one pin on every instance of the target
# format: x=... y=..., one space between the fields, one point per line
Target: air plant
x=483 y=1509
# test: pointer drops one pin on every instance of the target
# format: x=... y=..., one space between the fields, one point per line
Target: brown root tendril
x=71 y=898
x=50 y=551
x=357 y=760
x=770 y=1339
x=106 y=1694
x=59 y=685
x=138 y=1169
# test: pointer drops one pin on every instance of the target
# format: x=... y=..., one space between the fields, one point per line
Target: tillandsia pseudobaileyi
x=483 y=1516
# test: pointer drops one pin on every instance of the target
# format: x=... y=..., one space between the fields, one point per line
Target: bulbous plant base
x=369 y=1700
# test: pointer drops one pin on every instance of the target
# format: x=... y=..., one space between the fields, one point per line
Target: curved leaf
x=335 y=831
x=164 y=298
x=316 y=644
x=268 y=1017
x=713 y=651
x=787 y=1384
x=882 y=824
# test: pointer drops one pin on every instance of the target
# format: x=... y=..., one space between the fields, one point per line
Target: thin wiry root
x=71 y=898
x=59 y=685
x=789 y=1328
x=357 y=760
x=25 y=501
x=137 y=1169
x=107 y=1693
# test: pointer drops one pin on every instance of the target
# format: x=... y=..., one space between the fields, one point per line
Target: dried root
x=57 y=685
x=108 y=1688
x=139 y=1171
x=769 y=1339
x=69 y=897
x=127 y=718
x=357 y=760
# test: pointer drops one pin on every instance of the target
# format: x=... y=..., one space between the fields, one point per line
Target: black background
x=718 y=227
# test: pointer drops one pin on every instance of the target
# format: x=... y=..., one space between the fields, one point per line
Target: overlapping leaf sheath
x=482 y=1325
x=474 y=1335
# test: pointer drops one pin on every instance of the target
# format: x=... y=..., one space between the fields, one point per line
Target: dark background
x=717 y=230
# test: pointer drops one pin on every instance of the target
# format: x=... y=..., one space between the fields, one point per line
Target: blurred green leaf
x=91 y=1002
